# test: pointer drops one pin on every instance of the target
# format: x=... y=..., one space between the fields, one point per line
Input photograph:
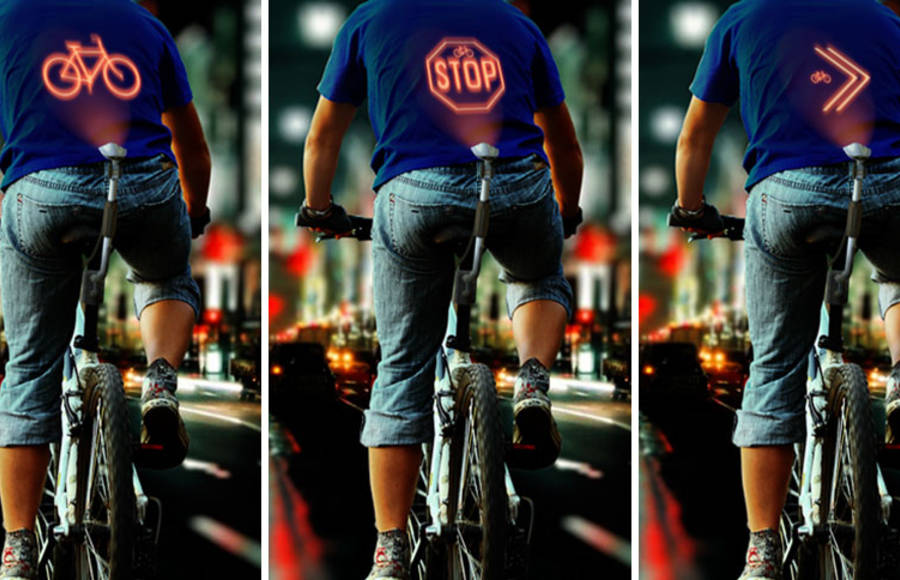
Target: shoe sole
x=161 y=444
x=538 y=437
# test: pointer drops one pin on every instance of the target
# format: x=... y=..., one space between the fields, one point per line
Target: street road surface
x=583 y=502
x=211 y=503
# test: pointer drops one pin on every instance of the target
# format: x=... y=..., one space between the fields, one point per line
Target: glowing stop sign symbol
x=465 y=75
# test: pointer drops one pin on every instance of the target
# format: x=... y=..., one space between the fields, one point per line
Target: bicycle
x=73 y=73
x=93 y=520
x=838 y=504
x=467 y=520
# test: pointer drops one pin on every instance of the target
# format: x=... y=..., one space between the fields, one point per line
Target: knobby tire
x=478 y=502
x=108 y=511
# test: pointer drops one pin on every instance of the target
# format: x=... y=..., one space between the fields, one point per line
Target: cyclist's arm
x=191 y=154
x=692 y=155
x=329 y=123
x=564 y=152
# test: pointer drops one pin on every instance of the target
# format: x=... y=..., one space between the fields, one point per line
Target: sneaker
x=536 y=441
x=20 y=556
x=892 y=406
x=164 y=440
x=391 y=560
x=763 y=556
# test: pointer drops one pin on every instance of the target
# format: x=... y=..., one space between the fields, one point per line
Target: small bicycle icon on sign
x=820 y=76
x=463 y=52
x=65 y=74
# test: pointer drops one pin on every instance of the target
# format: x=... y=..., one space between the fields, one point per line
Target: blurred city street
x=582 y=519
x=210 y=504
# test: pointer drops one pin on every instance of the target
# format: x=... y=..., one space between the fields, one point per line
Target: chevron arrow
x=857 y=79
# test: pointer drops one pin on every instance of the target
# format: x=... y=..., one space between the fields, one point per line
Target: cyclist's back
x=785 y=61
x=46 y=122
x=440 y=77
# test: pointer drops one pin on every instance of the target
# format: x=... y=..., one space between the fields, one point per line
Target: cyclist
x=133 y=90
x=441 y=77
x=769 y=53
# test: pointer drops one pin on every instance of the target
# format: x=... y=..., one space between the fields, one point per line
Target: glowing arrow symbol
x=857 y=78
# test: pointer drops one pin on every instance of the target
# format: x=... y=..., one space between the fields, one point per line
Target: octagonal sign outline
x=466 y=108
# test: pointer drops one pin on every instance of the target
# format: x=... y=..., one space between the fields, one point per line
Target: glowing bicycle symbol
x=820 y=76
x=65 y=74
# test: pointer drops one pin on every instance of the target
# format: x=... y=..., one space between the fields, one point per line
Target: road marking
x=585 y=469
x=726 y=405
x=598 y=538
x=585 y=415
x=236 y=421
x=213 y=469
x=229 y=540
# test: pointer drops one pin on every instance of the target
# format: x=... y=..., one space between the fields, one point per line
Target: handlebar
x=733 y=230
x=361 y=230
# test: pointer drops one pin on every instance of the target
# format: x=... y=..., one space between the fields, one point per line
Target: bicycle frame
x=454 y=354
x=78 y=52
x=826 y=355
x=82 y=353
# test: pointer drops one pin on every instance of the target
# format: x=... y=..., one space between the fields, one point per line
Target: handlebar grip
x=361 y=229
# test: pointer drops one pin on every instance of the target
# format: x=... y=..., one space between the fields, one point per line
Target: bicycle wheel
x=478 y=505
x=61 y=76
x=104 y=501
x=851 y=507
x=125 y=80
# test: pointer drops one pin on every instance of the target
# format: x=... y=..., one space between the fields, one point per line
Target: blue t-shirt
x=441 y=76
x=75 y=74
x=811 y=75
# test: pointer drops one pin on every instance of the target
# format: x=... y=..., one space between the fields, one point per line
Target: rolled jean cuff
x=754 y=429
x=554 y=288
x=389 y=429
x=888 y=295
x=181 y=287
x=31 y=428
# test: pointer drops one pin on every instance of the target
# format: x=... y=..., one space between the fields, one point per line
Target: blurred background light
x=294 y=123
x=283 y=181
x=319 y=23
x=666 y=123
x=655 y=180
x=692 y=23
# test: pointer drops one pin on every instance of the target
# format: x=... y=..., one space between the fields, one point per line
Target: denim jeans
x=40 y=275
x=413 y=276
x=785 y=282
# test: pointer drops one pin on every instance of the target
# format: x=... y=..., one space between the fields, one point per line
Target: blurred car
x=671 y=372
x=298 y=373
x=727 y=370
x=354 y=372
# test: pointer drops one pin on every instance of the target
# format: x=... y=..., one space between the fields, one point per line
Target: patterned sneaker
x=19 y=556
x=763 y=556
x=892 y=406
x=164 y=440
x=391 y=556
x=536 y=441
